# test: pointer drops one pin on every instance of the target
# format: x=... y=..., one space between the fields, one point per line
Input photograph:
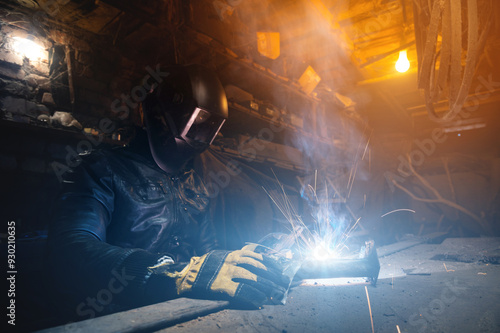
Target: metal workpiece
x=366 y=265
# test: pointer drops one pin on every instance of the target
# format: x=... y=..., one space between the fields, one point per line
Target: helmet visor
x=202 y=127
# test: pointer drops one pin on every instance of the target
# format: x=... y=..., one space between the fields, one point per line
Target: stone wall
x=71 y=100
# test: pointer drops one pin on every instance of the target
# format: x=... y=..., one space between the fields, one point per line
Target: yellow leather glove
x=241 y=275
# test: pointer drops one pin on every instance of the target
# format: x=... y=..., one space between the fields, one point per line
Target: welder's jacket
x=117 y=215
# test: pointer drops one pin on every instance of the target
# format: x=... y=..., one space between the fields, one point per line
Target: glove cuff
x=201 y=273
x=186 y=278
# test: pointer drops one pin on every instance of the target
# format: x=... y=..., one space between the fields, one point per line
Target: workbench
x=448 y=287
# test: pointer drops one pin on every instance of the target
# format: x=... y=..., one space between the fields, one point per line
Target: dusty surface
x=414 y=292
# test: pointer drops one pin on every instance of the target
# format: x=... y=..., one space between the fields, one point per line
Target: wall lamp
x=28 y=48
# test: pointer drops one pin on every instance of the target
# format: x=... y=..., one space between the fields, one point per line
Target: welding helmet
x=183 y=115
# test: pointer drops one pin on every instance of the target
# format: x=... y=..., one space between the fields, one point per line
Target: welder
x=132 y=225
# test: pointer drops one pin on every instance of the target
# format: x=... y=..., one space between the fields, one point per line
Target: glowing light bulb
x=29 y=49
x=402 y=65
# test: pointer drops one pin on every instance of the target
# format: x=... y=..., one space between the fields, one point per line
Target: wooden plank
x=148 y=318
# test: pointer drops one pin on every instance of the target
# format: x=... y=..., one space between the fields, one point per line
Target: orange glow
x=268 y=44
x=402 y=65
x=309 y=80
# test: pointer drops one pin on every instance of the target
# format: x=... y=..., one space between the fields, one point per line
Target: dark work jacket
x=117 y=215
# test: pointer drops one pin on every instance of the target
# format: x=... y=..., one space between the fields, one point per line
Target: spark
x=327 y=236
x=350 y=177
x=352 y=182
x=315 y=179
x=370 y=160
x=370 y=309
x=366 y=147
x=298 y=228
x=399 y=210
x=336 y=191
x=448 y=270
x=313 y=190
x=346 y=235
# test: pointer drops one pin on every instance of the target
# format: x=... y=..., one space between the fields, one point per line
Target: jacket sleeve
x=207 y=238
x=80 y=261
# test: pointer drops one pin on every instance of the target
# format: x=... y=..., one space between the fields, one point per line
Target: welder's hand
x=242 y=275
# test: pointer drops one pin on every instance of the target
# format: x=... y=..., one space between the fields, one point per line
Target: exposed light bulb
x=29 y=49
x=402 y=65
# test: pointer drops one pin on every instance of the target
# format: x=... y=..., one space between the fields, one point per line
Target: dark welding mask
x=183 y=115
